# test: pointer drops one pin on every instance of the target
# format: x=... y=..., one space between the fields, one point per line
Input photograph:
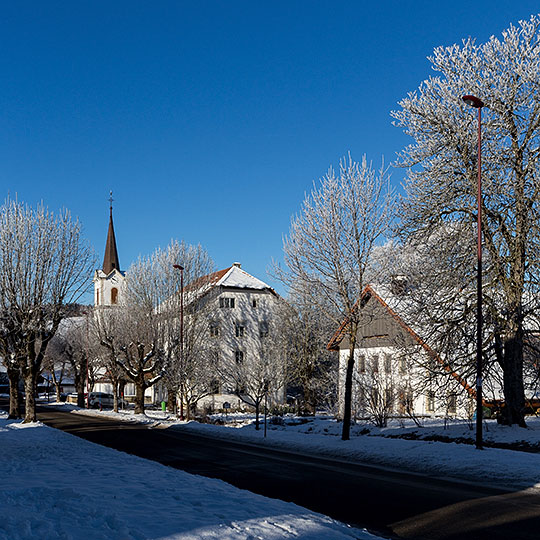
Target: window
x=402 y=366
x=452 y=403
x=239 y=330
x=263 y=329
x=114 y=295
x=389 y=399
x=226 y=302
x=430 y=401
x=214 y=329
x=239 y=356
x=388 y=363
x=254 y=303
x=375 y=363
x=362 y=363
x=215 y=386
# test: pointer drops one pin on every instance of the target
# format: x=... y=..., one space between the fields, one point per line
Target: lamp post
x=477 y=103
x=181 y=268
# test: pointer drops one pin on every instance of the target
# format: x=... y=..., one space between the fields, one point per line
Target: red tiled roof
x=209 y=279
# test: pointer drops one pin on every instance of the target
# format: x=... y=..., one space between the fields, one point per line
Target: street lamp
x=477 y=103
x=181 y=268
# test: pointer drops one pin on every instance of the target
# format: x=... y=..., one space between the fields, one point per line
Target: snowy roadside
x=320 y=436
x=57 y=486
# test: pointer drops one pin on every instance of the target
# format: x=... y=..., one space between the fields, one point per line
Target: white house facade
x=396 y=373
x=241 y=312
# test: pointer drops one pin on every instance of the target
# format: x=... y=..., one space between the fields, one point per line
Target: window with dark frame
x=239 y=357
x=388 y=363
x=263 y=329
x=402 y=366
x=430 y=401
x=226 y=302
x=362 y=363
x=239 y=330
x=452 y=403
x=214 y=329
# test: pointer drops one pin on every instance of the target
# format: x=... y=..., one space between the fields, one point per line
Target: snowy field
x=57 y=486
x=389 y=447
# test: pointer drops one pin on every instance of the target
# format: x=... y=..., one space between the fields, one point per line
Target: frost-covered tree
x=73 y=348
x=312 y=369
x=142 y=335
x=106 y=334
x=44 y=266
x=442 y=176
x=188 y=368
x=330 y=244
x=261 y=373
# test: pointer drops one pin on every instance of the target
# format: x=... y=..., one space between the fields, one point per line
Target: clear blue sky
x=209 y=120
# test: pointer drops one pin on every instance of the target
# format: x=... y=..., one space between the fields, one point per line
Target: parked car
x=103 y=400
x=100 y=400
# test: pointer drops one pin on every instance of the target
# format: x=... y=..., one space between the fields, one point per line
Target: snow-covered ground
x=387 y=447
x=57 y=486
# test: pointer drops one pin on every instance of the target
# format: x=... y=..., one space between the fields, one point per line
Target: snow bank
x=57 y=486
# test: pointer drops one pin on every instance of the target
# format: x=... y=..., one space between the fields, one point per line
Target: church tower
x=109 y=281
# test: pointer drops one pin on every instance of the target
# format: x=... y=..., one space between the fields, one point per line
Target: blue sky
x=209 y=120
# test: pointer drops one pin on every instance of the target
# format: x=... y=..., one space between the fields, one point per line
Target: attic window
x=225 y=302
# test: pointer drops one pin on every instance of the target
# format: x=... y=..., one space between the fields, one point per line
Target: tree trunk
x=14 y=376
x=171 y=398
x=139 y=398
x=30 y=395
x=58 y=388
x=115 y=395
x=347 y=402
x=257 y=406
x=79 y=386
x=514 y=395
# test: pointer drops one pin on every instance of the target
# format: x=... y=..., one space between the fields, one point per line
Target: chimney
x=237 y=264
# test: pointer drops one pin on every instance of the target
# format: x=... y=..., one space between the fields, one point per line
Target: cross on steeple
x=110 y=201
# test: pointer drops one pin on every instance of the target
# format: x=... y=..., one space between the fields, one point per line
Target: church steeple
x=110 y=259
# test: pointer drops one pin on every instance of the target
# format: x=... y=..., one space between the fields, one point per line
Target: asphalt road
x=388 y=502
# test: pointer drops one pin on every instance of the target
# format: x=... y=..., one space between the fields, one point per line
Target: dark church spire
x=110 y=259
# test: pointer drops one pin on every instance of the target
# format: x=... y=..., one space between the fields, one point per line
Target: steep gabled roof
x=370 y=293
x=110 y=258
x=239 y=279
x=232 y=277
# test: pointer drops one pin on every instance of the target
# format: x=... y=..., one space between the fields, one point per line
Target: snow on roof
x=236 y=277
